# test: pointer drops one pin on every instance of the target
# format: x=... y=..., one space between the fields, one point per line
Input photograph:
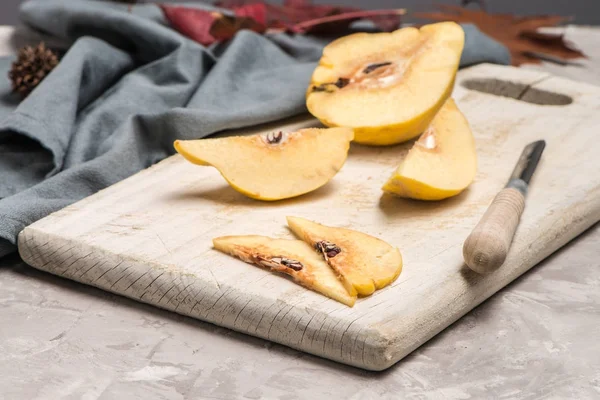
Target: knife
x=487 y=246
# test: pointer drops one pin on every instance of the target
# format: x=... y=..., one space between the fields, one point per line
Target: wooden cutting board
x=149 y=237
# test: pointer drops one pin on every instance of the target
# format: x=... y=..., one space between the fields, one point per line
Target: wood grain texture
x=149 y=237
x=487 y=246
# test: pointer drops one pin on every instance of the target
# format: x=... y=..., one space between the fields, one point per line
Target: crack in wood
x=214 y=277
x=163 y=243
x=274 y=318
x=360 y=329
x=74 y=273
x=262 y=316
x=107 y=271
x=216 y=301
x=59 y=265
x=197 y=302
x=179 y=303
x=327 y=335
x=344 y=333
x=150 y=284
x=202 y=298
x=51 y=254
x=29 y=252
x=124 y=276
x=88 y=270
x=241 y=311
x=79 y=259
x=317 y=332
x=167 y=292
x=306 y=327
x=159 y=287
x=135 y=281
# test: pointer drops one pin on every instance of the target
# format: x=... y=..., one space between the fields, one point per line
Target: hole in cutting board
x=518 y=91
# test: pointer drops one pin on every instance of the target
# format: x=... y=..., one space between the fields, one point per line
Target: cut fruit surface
x=273 y=166
x=292 y=257
x=386 y=86
x=364 y=262
x=442 y=163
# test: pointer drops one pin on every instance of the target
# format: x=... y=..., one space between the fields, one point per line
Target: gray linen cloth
x=127 y=87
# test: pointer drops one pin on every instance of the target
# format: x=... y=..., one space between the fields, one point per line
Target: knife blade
x=486 y=248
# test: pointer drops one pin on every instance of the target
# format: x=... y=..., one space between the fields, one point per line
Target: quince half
x=274 y=166
x=363 y=262
x=386 y=86
x=442 y=163
x=291 y=257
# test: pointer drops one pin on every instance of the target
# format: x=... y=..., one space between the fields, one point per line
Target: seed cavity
x=326 y=87
x=328 y=249
x=293 y=264
x=428 y=140
x=341 y=82
x=372 y=67
x=274 y=138
x=277 y=262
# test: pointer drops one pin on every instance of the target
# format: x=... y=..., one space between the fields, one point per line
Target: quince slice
x=364 y=262
x=442 y=163
x=276 y=165
x=386 y=86
x=292 y=257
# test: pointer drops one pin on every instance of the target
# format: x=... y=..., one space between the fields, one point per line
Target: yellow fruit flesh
x=298 y=163
x=365 y=263
x=314 y=273
x=442 y=163
x=395 y=102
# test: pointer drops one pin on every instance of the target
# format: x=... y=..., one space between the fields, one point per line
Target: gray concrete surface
x=536 y=339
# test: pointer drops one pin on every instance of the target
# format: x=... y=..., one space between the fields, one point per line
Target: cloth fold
x=128 y=86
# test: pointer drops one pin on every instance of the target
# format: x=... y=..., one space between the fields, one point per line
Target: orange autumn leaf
x=519 y=34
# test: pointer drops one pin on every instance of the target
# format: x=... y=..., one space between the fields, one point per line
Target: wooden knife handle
x=487 y=246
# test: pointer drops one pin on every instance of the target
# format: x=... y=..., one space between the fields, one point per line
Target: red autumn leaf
x=225 y=27
x=207 y=27
x=230 y=3
x=297 y=16
x=288 y=14
x=191 y=22
x=257 y=11
x=296 y=3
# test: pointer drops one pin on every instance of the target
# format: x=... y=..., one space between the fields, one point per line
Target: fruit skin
x=395 y=116
x=315 y=274
x=402 y=132
x=412 y=189
x=365 y=263
x=441 y=172
x=302 y=162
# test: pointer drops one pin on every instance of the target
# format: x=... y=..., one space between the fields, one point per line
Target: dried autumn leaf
x=225 y=27
x=281 y=16
x=256 y=11
x=191 y=22
x=207 y=27
x=519 y=34
x=296 y=16
x=296 y=3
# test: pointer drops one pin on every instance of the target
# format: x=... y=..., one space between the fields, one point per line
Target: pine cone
x=31 y=67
